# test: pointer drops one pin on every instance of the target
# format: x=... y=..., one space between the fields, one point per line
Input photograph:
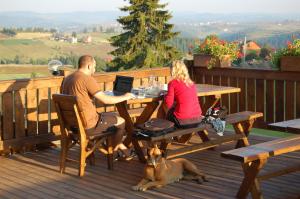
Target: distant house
x=252 y=46
x=87 y=39
x=73 y=40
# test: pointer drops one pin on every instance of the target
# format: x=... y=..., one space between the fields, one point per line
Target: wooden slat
x=216 y=80
x=20 y=100
x=270 y=113
x=208 y=79
x=199 y=77
x=233 y=96
x=260 y=99
x=298 y=99
x=24 y=84
x=225 y=98
x=32 y=112
x=251 y=94
x=290 y=100
x=242 y=94
x=279 y=101
x=43 y=110
x=7 y=111
x=54 y=123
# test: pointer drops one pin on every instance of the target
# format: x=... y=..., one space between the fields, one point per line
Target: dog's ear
x=150 y=152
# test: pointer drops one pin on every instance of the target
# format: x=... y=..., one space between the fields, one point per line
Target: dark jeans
x=183 y=123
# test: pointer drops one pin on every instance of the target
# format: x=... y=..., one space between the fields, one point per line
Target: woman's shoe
x=125 y=155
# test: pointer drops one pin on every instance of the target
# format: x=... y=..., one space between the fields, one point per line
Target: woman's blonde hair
x=180 y=72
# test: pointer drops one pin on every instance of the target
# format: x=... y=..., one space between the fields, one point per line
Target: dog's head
x=155 y=156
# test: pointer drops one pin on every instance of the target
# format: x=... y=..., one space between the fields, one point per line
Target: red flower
x=240 y=55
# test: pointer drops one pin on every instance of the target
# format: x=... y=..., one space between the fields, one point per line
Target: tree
x=143 y=44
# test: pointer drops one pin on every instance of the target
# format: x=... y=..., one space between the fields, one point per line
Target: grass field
x=39 y=46
x=23 y=71
x=265 y=132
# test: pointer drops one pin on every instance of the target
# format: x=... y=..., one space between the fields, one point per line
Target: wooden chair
x=72 y=125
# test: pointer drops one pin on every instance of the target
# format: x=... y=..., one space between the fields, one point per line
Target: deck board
x=35 y=175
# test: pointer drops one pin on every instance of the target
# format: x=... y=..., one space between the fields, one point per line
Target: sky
x=201 y=6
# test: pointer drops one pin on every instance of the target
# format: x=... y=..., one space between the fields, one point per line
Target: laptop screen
x=123 y=84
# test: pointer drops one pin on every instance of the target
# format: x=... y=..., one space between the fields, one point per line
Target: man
x=82 y=85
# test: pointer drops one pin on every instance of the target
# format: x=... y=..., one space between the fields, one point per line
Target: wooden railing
x=28 y=116
x=275 y=93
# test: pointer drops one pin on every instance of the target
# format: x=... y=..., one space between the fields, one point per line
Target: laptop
x=122 y=85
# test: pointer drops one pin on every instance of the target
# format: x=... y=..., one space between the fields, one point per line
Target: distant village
x=61 y=37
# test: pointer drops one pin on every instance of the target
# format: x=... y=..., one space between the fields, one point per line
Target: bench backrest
x=264 y=150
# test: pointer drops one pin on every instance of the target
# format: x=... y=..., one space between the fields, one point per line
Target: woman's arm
x=170 y=96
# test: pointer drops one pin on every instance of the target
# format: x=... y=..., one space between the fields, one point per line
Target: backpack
x=155 y=127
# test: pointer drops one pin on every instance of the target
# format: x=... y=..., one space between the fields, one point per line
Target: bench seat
x=254 y=157
x=242 y=122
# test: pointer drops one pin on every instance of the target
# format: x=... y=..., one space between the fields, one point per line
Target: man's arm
x=106 y=99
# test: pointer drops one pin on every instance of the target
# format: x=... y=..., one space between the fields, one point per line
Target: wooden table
x=214 y=92
x=292 y=126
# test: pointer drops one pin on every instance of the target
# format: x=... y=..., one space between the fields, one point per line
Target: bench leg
x=139 y=151
x=250 y=183
x=185 y=138
x=243 y=128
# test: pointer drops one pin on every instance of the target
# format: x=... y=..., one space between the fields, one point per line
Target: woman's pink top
x=187 y=104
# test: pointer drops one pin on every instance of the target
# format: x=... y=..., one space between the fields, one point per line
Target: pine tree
x=143 y=44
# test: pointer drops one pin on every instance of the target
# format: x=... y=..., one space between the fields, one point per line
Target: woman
x=181 y=101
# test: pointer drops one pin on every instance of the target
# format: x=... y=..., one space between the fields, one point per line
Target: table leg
x=250 y=183
x=122 y=109
x=147 y=112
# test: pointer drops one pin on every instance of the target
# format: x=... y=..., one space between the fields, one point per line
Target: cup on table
x=141 y=92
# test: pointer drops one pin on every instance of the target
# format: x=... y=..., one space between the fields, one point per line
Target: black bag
x=155 y=127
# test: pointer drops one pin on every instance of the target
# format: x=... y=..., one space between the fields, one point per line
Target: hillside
x=38 y=46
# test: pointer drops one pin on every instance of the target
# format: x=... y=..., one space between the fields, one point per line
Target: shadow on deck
x=35 y=175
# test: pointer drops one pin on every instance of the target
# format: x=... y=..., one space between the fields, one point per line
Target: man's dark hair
x=85 y=60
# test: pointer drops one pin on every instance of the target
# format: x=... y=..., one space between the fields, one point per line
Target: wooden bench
x=292 y=126
x=254 y=157
x=242 y=122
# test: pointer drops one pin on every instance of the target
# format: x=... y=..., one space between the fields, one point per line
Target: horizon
x=194 y=6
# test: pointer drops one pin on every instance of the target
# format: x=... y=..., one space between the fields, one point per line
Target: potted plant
x=288 y=59
x=213 y=52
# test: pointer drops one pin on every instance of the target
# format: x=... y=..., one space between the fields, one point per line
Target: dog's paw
x=143 y=188
x=205 y=179
x=135 y=188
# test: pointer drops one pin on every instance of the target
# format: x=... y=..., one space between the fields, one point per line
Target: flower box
x=290 y=63
x=202 y=60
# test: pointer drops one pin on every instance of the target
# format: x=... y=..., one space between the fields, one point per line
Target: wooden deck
x=35 y=175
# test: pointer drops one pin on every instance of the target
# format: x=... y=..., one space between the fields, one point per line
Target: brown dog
x=159 y=172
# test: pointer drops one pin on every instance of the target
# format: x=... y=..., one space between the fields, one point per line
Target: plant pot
x=202 y=60
x=290 y=63
x=225 y=62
